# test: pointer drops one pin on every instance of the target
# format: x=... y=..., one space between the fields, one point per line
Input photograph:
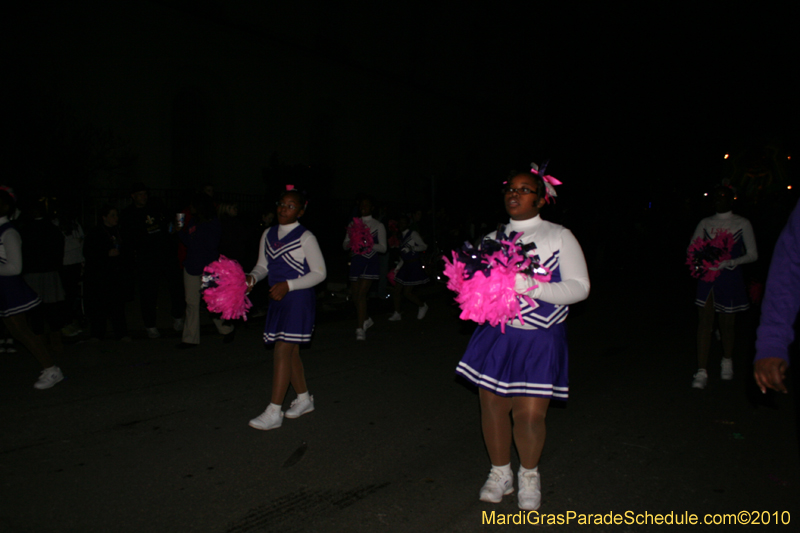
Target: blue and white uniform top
x=10 y=249
x=15 y=295
x=560 y=253
x=290 y=253
x=744 y=247
x=378 y=231
x=411 y=245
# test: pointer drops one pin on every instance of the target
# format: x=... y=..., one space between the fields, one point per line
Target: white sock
x=504 y=470
x=522 y=469
x=274 y=407
x=303 y=396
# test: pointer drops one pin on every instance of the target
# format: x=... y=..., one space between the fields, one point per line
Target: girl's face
x=365 y=207
x=521 y=197
x=111 y=219
x=289 y=209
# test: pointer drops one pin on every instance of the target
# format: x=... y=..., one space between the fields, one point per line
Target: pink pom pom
x=390 y=276
x=491 y=298
x=706 y=254
x=361 y=241
x=225 y=289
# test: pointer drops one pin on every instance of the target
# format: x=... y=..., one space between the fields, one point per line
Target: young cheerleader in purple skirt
x=519 y=371
x=16 y=297
x=291 y=257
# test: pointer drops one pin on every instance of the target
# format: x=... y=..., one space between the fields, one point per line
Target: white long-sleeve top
x=556 y=246
x=10 y=251
x=308 y=251
x=413 y=242
x=374 y=226
x=736 y=225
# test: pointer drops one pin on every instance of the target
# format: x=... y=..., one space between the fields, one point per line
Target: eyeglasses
x=290 y=207
x=521 y=191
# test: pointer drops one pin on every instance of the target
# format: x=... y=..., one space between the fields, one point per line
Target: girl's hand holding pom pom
x=251 y=281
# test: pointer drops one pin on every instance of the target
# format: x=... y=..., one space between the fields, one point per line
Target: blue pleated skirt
x=291 y=319
x=411 y=273
x=16 y=296
x=364 y=268
x=519 y=362
x=730 y=294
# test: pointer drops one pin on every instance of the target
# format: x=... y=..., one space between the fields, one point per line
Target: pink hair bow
x=549 y=181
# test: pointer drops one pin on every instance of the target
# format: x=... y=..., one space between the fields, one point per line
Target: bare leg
x=726 y=331
x=496 y=425
x=18 y=327
x=360 y=292
x=704 y=328
x=397 y=293
x=529 y=428
x=282 y=370
x=408 y=292
x=298 y=372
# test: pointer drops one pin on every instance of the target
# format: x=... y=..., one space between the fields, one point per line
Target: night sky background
x=634 y=106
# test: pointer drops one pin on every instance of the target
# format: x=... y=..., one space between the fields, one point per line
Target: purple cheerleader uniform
x=290 y=319
x=15 y=295
x=730 y=294
x=531 y=357
x=411 y=271
x=368 y=265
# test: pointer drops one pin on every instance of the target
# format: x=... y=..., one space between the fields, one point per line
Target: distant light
x=788 y=157
x=649 y=205
x=726 y=156
x=423 y=266
x=789 y=187
x=705 y=194
x=735 y=197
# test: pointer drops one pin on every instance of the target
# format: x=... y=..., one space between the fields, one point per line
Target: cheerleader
x=519 y=371
x=289 y=253
x=409 y=273
x=726 y=295
x=16 y=297
x=365 y=266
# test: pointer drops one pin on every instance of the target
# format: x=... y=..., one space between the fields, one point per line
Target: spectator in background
x=71 y=269
x=42 y=257
x=108 y=279
x=201 y=237
x=145 y=230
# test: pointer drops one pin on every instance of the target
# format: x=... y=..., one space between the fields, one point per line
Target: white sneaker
x=177 y=324
x=300 y=407
x=48 y=378
x=368 y=323
x=529 y=497
x=497 y=486
x=700 y=379
x=395 y=317
x=422 y=311
x=153 y=333
x=269 y=419
x=361 y=335
x=727 y=369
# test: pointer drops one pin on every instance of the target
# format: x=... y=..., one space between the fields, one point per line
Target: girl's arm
x=316 y=263
x=380 y=244
x=749 y=245
x=13 y=245
x=346 y=244
x=417 y=244
x=261 y=270
x=574 y=284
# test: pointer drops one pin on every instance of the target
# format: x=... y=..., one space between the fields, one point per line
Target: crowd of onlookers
x=85 y=276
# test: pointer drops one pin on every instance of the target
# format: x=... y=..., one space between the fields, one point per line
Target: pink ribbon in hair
x=9 y=190
x=549 y=183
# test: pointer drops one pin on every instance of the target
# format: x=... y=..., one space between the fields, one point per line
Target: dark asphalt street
x=143 y=437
